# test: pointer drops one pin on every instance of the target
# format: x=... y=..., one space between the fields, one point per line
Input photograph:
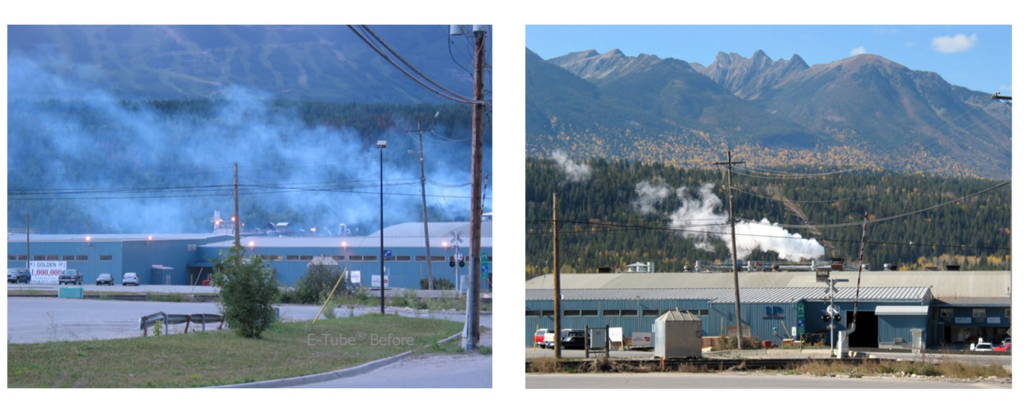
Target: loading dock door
x=866 y=335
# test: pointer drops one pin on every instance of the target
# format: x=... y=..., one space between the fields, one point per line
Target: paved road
x=993 y=358
x=738 y=381
x=427 y=371
x=49 y=319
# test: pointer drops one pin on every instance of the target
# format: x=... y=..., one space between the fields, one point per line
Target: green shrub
x=248 y=291
x=318 y=282
x=439 y=284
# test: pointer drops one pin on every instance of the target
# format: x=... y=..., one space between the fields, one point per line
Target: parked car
x=538 y=337
x=70 y=276
x=573 y=339
x=130 y=278
x=104 y=279
x=1002 y=348
x=983 y=347
x=18 y=275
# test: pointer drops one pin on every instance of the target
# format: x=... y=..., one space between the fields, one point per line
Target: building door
x=866 y=335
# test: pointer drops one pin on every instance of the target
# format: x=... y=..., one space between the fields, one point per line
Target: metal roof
x=747 y=295
x=81 y=238
x=944 y=284
x=973 y=301
x=441 y=230
x=361 y=242
x=902 y=310
x=676 y=315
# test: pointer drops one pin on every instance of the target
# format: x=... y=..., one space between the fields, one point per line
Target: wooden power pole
x=558 y=281
x=735 y=270
x=473 y=303
x=423 y=196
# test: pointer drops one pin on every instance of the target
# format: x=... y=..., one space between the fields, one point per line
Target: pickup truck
x=71 y=276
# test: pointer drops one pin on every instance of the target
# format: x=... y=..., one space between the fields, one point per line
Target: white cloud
x=954 y=44
x=859 y=50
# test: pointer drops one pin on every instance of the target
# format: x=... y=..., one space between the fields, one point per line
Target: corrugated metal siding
x=90 y=269
x=629 y=324
x=403 y=274
x=891 y=327
x=747 y=295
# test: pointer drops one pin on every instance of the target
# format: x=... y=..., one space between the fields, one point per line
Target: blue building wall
x=540 y=314
x=767 y=321
x=405 y=273
x=141 y=256
x=891 y=327
x=90 y=268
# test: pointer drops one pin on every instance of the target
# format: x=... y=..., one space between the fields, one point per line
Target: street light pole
x=382 y=144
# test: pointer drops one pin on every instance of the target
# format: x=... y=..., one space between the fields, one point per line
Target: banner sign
x=46 y=271
x=375 y=282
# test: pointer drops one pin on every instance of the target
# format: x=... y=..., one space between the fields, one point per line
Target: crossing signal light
x=462 y=262
x=838 y=318
x=825 y=318
x=451 y=261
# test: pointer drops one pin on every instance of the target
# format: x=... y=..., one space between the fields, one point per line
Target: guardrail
x=201 y=318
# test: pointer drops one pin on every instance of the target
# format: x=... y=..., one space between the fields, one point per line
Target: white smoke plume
x=650 y=194
x=574 y=172
x=705 y=222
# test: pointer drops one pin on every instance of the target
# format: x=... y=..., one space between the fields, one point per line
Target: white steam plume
x=649 y=194
x=703 y=221
x=574 y=173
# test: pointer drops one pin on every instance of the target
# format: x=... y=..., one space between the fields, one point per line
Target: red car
x=1003 y=348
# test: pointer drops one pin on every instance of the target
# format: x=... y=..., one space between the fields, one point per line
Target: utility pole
x=735 y=271
x=28 y=249
x=236 y=219
x=423 y=195
x=473 y=301
x=558 y=280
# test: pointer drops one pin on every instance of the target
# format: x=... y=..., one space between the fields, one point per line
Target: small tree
x=248 y=291
x=318 y=282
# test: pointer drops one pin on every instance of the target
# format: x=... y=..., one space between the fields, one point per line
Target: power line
x=821 y=226
x=456 y=97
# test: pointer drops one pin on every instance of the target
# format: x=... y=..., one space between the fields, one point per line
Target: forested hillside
x=626 y=212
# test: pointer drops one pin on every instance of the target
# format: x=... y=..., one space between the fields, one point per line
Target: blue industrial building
x=892 y=307
x=188 y=259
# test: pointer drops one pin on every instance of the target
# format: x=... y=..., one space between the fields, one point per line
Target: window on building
x=629 y=312
x=305 y=257
x=82 y=258
x=106 y=258
x=11 y=257
x=591 y=312
x=612 y=312
x=68 y=258
x=355 y=258
x=571 y=313
x=51 y=257
x=651 y=312
x=438 y=259
x=532 y=313
x=421 y=258
x=547 y=313
x=1006 y=313
x=369 y=258
x=978 y=313
x=699 y=312
x=404 y=258
x=338 y=258
x=292 y=257
x=37 y=257
x=946 y=313
x=22 y=257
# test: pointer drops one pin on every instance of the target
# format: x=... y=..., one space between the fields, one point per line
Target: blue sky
x=976 y=57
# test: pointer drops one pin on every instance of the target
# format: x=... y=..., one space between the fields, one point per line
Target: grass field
x=221 y=357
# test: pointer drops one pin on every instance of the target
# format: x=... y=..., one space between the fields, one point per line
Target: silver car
x=130 y=278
